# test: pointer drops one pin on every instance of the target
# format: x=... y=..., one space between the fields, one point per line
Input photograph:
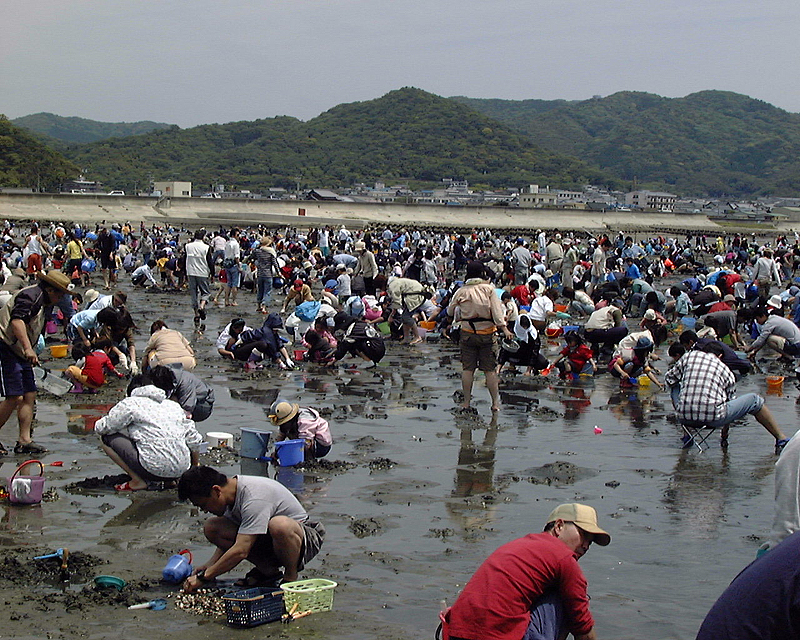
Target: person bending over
x=255 y=519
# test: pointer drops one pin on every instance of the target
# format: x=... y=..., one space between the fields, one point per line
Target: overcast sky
x=199 y=62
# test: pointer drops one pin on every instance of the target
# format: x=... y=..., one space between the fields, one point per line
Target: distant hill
x=711 y=142
x=74 y=130
x=26 y=162
x=407 y=135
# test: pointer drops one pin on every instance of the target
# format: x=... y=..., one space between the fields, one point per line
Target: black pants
x=606 y=337
x=243 y=351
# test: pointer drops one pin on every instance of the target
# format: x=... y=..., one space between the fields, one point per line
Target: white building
x=174 y=189
x=657 y=200
x=533 y=196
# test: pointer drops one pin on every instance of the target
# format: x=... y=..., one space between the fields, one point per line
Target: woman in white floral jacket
x=148 y=436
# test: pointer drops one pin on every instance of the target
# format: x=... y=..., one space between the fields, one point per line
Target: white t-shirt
x=540 y=308
x=232 y=250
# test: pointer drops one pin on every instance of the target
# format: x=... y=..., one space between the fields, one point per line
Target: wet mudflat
x=413 y=495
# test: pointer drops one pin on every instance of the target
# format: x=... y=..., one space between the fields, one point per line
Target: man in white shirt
x=233 y=254
x=199 y=267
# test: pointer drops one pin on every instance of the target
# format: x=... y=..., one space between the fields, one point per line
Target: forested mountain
x=26 y=162
x=711 y=142
x=407 y=135
x=79 y=130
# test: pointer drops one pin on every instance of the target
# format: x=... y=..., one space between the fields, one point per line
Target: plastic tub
x=254 y=443
x=560 y=307
x=688 y=323
x=644 y=381
x=59 y=350
x=383 y=327
x=47 y=380
x=774 y=383
x=220 y=438
x=299 y=354
x=110 y=581
x=290 y=452
x=430 y=326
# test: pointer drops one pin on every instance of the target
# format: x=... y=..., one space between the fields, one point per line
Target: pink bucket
x=36 y=488
x=51 y=327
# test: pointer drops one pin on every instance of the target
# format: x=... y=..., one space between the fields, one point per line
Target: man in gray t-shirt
x=255 y=519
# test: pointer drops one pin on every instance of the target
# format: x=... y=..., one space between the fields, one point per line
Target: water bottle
x=178 y=568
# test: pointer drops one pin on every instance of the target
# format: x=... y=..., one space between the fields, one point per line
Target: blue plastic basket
x=252 y=607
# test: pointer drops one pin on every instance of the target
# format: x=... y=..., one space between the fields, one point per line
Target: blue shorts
x=234 y=277
x=735 y=409
x=16 y=375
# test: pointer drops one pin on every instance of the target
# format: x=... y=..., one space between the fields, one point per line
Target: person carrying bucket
x=295 y=422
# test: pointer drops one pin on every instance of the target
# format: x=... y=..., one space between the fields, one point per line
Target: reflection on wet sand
x=82 y=417
x=474 y=480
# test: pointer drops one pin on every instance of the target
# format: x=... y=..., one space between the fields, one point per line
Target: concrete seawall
x=214 y=212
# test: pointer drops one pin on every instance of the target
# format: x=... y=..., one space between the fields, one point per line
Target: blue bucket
x=254 y=443
x=688 y=323
x=290 y=452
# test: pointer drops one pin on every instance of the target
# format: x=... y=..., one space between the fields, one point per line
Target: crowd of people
x=315 y=298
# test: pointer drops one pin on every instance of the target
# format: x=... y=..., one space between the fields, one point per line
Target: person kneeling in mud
x=575 y=358
x=358 y=338
x=297 y=422
x=255 y=519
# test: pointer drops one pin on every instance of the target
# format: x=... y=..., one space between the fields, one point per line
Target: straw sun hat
x=284 y=412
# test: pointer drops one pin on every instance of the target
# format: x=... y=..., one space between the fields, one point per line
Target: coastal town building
x=654 y=200
x=173 y=189
x=534 y=197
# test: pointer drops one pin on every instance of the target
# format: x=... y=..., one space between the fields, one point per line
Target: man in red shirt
x=532 y=587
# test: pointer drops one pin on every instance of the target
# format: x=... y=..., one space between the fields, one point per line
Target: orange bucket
x=774 y=383
x=429 y=326
x=560 y=307
x=59 y=350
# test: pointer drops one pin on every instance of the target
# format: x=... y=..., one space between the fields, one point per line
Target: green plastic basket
x=313 y=595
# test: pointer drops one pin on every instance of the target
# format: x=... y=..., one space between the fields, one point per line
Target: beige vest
x=33 y=328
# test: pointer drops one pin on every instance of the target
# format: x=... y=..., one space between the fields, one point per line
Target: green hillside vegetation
x=26 y=162
x=514 y=113
x=408 y=135
x=712 y=142
x=74 y=130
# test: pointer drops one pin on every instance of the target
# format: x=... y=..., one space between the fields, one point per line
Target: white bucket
x=220 y=438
